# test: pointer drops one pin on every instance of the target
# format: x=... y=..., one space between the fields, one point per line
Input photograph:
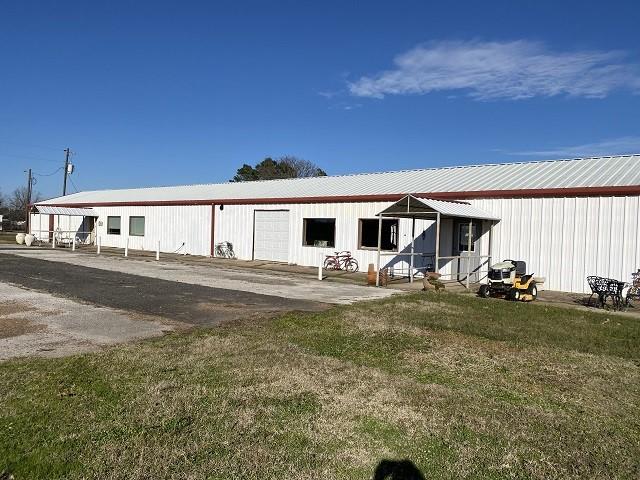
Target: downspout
x=213 y=229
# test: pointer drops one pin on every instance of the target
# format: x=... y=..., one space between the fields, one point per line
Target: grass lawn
x=7 y=237
x=462 y=387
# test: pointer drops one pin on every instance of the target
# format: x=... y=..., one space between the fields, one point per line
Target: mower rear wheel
x=533 y=290
x=514 y=294
x=484 y=291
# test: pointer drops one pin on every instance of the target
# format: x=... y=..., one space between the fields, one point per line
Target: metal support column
x=469 y=247
x=436 y=267
x=413 y=240
x=490 y=240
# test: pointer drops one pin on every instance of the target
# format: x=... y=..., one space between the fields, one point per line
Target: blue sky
x=163 y=93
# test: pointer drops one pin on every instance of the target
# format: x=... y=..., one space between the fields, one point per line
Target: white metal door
x=271 y=235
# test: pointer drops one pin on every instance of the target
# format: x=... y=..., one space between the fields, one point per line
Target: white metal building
x=566 y=218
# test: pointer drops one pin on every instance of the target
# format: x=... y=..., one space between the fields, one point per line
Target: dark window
x=463 y=237
x=113 y=225
x=319 y=232
x=136 y=226
x=369 y=234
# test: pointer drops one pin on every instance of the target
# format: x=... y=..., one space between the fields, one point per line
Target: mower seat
x=525 y=278
x=521 y=267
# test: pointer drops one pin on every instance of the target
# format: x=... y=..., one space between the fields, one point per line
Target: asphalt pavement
x=176 y=301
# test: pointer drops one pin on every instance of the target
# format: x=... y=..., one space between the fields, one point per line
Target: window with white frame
x=136 y=226
x=113 y=225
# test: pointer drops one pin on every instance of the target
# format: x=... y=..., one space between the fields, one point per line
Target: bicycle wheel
x=351 y=265
x=331 y=264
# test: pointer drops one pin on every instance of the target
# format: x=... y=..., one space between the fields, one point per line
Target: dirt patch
x=35 y=323
x=214 y=306
x=11 y=308
x=14 y=327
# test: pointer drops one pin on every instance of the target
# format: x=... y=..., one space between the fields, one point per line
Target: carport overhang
x=414 y=208
x=58 y=211
x=68 y=211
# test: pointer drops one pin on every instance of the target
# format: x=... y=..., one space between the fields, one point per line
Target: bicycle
x=341 y=261
x=224 y=250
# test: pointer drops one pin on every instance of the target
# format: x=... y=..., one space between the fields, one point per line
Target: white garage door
x=271 y=235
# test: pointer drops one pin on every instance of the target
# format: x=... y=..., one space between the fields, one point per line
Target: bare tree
x=18 y=202
x=302 y=167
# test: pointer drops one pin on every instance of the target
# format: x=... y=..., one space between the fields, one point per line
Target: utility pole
x=28 y=206
x=67 y=152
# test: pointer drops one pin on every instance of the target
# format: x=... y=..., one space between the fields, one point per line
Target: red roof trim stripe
x=545 y=192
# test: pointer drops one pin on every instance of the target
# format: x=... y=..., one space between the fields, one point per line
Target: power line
x=49 y=174
x=74 y=185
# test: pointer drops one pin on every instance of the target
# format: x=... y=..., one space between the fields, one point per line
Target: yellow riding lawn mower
x=509 y=279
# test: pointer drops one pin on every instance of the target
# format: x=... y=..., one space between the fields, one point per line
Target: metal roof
x=410 y=206
x=74 y=212
x=614 y=171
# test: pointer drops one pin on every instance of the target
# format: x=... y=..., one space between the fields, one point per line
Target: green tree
x=283 y=167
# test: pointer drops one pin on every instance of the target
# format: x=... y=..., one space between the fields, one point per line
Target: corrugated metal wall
x=235 y=224
x=171 y=225
x=562 y=239
x=567 y=239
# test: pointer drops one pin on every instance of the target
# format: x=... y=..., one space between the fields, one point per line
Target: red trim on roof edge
x=528 y=193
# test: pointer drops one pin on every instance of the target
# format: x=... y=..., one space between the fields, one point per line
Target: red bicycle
x=341 y=261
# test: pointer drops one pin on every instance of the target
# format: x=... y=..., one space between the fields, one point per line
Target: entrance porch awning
x=429 y=208
x=72 y=212
x=413 y=207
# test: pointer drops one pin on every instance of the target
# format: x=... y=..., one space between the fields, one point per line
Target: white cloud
x=345 y=106
x=501 y=70
x=614 y=146
x=328 y=94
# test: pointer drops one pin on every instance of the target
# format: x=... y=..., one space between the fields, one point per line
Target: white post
x=413 y=238
x=379 y=248
x=184 y=252
x=53 y=240
x=126 y=248
x=158 y=251
x=469 y=249
x=436 y=267
x=320 y=267
x=73 y=244
x=99 y=242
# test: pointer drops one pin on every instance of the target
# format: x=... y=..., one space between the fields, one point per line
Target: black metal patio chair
x=600 y=287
